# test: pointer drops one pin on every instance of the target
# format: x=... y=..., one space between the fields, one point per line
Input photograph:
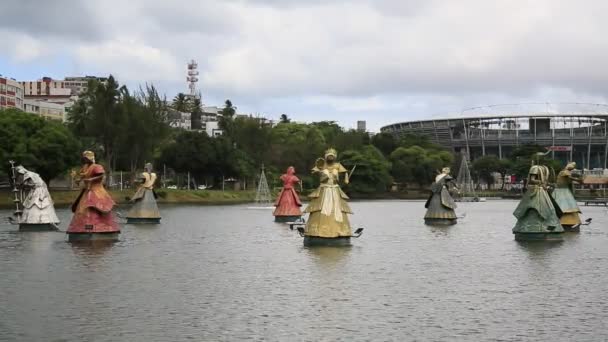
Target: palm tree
x=196 y=111
x=181 y=103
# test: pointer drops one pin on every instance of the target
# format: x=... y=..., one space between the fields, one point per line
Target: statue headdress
x=571 y=164
x=89 y=155
x=331 y=152
x=20 y=169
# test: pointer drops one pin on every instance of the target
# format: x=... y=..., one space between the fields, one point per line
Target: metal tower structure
x=262 y=195
x=464 y=179
x=192 y=77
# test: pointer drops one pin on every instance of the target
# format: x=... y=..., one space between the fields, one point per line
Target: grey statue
x=37 y=203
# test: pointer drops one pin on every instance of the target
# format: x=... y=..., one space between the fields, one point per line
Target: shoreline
x=64 y=198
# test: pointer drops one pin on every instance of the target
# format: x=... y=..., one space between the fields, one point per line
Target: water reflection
x=329 y=257
x=91 y=249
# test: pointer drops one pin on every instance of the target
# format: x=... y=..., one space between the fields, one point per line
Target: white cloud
x=21 y=47
x=130 y=60
x=398 y=57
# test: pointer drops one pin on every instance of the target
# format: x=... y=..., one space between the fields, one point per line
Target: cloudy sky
x=382 y=61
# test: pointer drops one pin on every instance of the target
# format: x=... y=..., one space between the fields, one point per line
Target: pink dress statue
x=93 y=217
x=288 y=203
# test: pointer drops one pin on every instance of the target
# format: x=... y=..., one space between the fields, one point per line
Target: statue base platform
x=572 y=229
x=342 y=241
x=440 y=222
x=143 y=220
x=285 y=219
x=538 y=236
x=75 y=237
x=38 y=227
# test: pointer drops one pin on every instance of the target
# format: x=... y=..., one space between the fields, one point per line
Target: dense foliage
x=44 y=146
x=123 y=129
x=128 y=129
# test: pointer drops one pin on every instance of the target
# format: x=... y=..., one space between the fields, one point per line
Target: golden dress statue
x=563 y=194
x=328 y=207
x=145 y=209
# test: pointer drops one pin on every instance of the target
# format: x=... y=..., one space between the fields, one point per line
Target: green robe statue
x=537 y=213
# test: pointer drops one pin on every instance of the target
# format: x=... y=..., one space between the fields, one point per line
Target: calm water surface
x=225 y=273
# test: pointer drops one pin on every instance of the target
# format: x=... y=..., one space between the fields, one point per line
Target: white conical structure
x=262 y=195
x=464 y=180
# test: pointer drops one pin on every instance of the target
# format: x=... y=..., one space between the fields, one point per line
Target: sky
x=383 y=61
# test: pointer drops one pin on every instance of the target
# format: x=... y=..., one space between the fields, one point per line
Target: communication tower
x=192 y=77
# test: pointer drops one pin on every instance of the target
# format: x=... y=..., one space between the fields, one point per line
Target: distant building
x=70 y=86
x=46 y=109
x=180 y=120
x=212 y=128
x=361 y=126
x=79 y=84
x=11 y=93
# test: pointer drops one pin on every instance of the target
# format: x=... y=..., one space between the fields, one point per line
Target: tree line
x=126 y=129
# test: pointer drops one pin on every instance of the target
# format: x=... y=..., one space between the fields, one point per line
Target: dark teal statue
x=537 y=213
x=440 y=205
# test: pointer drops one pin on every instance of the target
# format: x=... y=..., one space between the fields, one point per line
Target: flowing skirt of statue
x=567 y=203
x=287 y=204
x=328 y=213
x=38 y=207
x=537 y=213
x=93 y=213
x=145 y=205
x=440 y=205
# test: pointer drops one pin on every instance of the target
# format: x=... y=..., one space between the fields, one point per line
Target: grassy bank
x=64 y=198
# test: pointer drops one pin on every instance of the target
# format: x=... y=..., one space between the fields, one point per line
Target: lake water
x=225 y=273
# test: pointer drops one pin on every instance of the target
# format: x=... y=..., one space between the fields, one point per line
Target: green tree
x=485 y=166
x=192 y=152
x=99 y=116
x=371 y=170
x=416 y=164
x=44 y=146
x=524 y=156
x=284 y=119
x=351 y=139
x=226 y=121
x=181 y=103
x=196 y=111
x=329 y=129
x=294 y=144
x=146 y=116
x=385 y=142
x=252 y=136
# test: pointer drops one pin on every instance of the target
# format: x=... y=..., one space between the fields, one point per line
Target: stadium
x=571 y=131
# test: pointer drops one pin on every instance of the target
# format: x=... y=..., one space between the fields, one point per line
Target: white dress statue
x=37 y=202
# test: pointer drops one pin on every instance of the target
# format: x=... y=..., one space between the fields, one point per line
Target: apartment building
x=11 y=93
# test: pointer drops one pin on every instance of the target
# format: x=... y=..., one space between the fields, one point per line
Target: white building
x=46 y=109
x=212 y=128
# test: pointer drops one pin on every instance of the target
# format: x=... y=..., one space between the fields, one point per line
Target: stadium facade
x=572 y=132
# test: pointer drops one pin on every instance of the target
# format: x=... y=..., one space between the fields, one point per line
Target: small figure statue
x=38 y=212
x=288 y=203
x=93 y=217
x=537 y=214
x=328 y=221
x=563 y=194
x=440 y=204
x=144 y=209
